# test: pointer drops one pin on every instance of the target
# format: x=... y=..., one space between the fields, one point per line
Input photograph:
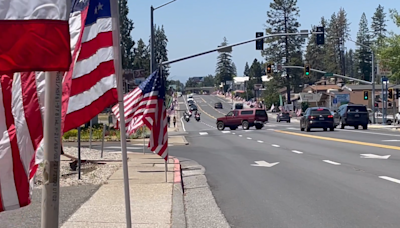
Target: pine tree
x=378 y=26
x=141 y=58
x=127 y=43
x=246 y=69
x=234 y=69
x=363 y=53
x=160 y=47
x=351 y=68
x=224 y=69
x=282 y=17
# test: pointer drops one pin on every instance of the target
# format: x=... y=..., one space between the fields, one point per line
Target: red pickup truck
x=245 y=117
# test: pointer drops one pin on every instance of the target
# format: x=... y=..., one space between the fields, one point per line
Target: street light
x=152 y=39
x=372 y=77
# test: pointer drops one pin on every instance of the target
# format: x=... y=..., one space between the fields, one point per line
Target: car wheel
x=308 y=128
x=356 y=127
x=365 y=127
x=259 y=126
x=301 y=128
x=325 y=129
x=220 y=126
x=288 y=121
x=332 y=128
x=245 y=125
x=389 y=122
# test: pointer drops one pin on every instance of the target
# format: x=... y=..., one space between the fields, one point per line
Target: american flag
x=145 y=105
x=88 y=88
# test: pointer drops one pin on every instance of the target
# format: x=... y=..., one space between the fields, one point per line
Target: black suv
x=218 y=105
x=353 y=115
x=317 y=117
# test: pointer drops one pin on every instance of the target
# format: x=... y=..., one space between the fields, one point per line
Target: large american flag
x=145 y=106
x=88 y=88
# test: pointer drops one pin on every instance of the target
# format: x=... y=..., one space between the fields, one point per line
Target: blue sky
x=196 y=26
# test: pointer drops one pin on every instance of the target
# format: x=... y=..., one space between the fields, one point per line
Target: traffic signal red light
x=269 y=68
x=390 y=93
x=376 y=105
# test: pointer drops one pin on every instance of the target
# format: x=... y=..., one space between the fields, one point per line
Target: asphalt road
x=315 y=179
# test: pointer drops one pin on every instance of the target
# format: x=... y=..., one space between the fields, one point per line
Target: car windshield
x=285 y=114
x=356 y=109
x=320 y=112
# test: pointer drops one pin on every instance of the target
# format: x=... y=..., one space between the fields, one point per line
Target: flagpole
x=118 y=72
x=52 y=150
x=167 y=150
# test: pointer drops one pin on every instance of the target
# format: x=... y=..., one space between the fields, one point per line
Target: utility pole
x=152 y=40
x=287 y=61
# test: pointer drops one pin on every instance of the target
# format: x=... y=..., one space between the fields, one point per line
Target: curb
x=178 y=218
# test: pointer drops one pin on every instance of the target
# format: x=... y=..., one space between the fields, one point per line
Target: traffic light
x=307 y=70
x=376 y=105
x=320 y=38
x=390 y=93
x=259 y=43
x=365 y=94
x=269 y=68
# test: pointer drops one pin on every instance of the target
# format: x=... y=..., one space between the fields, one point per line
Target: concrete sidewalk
x=152 y=203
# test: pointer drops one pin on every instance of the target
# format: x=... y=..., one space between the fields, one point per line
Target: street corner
x=177 y=140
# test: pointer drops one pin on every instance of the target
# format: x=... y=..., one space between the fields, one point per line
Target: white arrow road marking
x=374 y=156
x=390 y=179
x=391 y=140
x=240 y=135
x=274 y=145
x=264 y=164
x=297 y=152
x=225 y=132
x=331 y=162
x=260 y=141
x=248 y=138
x=203 y=133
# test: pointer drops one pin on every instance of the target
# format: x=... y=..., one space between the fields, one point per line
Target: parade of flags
x=89 y=87
x=145 y=106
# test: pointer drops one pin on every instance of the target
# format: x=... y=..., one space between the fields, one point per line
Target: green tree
x=313 y=55
x=363 y=53
x=351 y=67
x=141 y=58
x=191 y=83
x=378 y=26
x=208 y=81
x=225 y=70
x=246 y=69
x=270 y=94
x=255 y=74
x=160 y=47
x=127 y=43
x=283 y=18
x=390 y=50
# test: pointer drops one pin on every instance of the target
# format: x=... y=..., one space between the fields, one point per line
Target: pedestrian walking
x=174 y=121
x=169 y=120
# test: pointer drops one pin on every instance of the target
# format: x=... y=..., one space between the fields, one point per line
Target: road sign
x=334 y=100
x=328 y=74
x=382 y=68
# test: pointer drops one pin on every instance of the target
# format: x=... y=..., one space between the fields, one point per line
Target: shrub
x=70 y=133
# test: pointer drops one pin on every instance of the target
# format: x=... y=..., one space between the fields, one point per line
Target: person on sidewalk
x=174 y=121
x=169 y=120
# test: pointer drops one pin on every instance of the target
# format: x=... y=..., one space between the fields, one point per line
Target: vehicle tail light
x=330 y=116
x=311 y=117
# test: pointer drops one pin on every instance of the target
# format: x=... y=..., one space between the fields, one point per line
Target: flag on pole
x=22 y=99
x=34 y=35
x=145 y=105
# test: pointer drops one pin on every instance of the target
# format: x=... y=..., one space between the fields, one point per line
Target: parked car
x=218 y=105
x=243 y=117
x=283 y=117
x=353 y=115
x=317 y=117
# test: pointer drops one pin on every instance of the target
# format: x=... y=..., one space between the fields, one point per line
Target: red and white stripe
x=139 y=109
x=159 y=132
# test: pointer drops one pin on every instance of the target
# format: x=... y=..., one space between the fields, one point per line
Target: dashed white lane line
x=331 y=162
x=274 y=145
x=248 y=138
x=297 y=152
x=240 y=135
x=203 y=133
x=292 y=128
x=259 y=141
x=225 y=132
x=390 y=179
